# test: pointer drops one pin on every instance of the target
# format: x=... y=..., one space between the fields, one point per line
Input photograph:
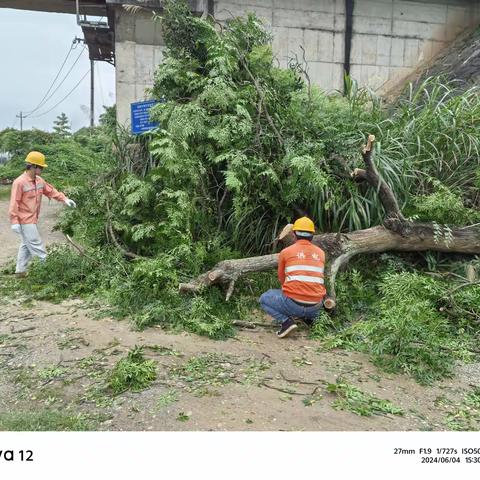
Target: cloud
x=85 y=110
x=42 y=41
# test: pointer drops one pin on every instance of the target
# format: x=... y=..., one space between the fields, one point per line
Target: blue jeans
x=280 y=307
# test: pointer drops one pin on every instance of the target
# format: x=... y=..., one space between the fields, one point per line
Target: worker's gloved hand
x=70 y=203
x=17 y=228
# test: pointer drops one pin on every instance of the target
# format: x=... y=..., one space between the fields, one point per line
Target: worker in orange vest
x=25 y=202
x=300 y=271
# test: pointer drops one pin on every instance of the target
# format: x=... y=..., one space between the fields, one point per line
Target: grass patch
x=98 y=395
x=354 y=400
x=4 y=192
x=183 y=417
x=93 y=366
x=407 y=322
x=167 y=398
x=52 y=372
x=210 y=370
x=133 y=373
x=44 y=421
x=25 y=380
x=254 y=371
x=466 y=415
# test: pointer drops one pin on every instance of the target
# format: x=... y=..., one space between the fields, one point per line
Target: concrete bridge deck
x=89 y=7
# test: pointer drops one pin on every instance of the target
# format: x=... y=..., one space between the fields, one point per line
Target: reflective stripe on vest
x=28 y=188
x=301 y=277
x=304 y=278
x=304 y=268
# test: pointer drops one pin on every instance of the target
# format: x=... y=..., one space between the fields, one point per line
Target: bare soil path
x=58 y=357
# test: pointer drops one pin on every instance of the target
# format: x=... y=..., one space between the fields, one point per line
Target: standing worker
x=300 y=271
x=25 y=202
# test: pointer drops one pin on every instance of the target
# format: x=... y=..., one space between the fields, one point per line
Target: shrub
x=133 y=373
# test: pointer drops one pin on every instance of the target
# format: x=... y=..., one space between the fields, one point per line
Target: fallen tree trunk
x=409 y=237
x=229 y=271
x=396 y=234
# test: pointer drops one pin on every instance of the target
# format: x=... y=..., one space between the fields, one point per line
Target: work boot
x=288 y=326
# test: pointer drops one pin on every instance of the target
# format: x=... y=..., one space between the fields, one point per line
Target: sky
x=33 y=46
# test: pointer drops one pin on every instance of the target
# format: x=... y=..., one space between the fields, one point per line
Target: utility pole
x=21 y=117
x=92 y=94
x=92 y=81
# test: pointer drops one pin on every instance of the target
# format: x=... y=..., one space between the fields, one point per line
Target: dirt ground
x=57 y=357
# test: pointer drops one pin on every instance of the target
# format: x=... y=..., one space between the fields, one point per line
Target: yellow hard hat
x=36 y=158
x=304 y=224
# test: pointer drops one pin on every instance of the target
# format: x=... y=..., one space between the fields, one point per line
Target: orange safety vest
x=300 y=271
x=26 y=198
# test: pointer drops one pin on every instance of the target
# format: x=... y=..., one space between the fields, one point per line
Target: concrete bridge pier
x=138 y=50
x=388 y=39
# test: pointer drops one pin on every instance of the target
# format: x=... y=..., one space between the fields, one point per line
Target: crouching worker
x=25 y=201
x=300 y=271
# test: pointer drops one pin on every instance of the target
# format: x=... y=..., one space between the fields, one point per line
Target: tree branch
x=261 y=94
x=80 y=249
x=114 y=239
x=371 y=175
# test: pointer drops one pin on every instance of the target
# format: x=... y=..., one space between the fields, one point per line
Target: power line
x=64 y=98
x=45 y=100
x=58 y=86
x=54 y=80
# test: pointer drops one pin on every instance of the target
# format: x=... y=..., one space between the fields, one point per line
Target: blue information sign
x=140 y=113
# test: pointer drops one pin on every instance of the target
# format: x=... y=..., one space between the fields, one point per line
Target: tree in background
x=61 y=125
x=108 y=118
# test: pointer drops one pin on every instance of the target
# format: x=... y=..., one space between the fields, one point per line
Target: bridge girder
x=88 y=7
